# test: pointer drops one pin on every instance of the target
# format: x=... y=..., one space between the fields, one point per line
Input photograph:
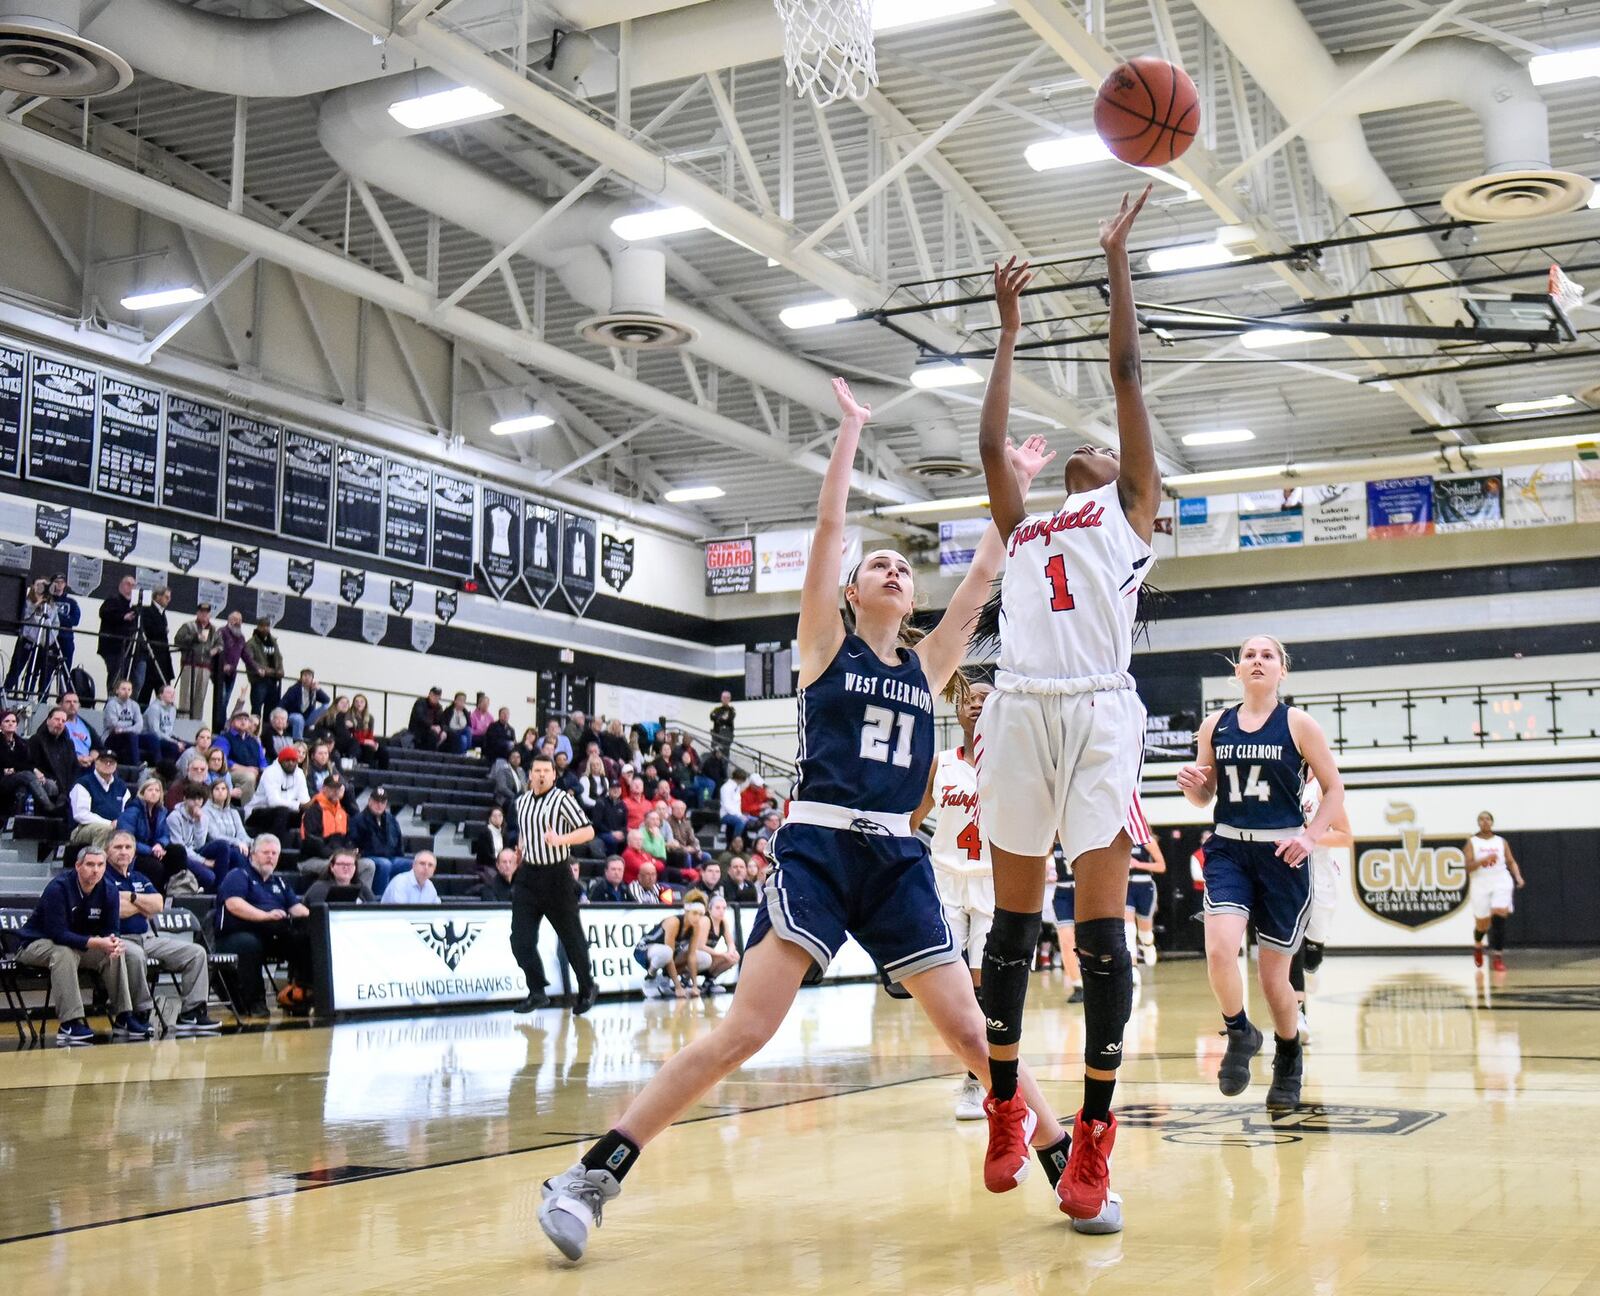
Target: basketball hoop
x=1563 y=292
x=827 y=48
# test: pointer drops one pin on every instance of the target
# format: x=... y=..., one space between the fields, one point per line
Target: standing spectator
x=722 y=716
x=375 y=832
x=144 y=818
x=186 y=827
x=118 y=616
x=53 y=758
x=68 y=617
x=156 y=659
x=198 y=643
x=97 y=800
x=161 y=724
x=479 y=721
x=18 y=777
x=223 y=825
x=497 y=884
x=231 y=641
x=499 y=738
x=124 y=726
x=139 y=901
x=30 y=659
x=254 y=916
x=244 y=754
x=549 y=823
x=325 y=828
x=263 y=663
x=610 y=889
x=507 y=780
x=341 y=873
x=280 y=798
x=304 y=703
x=427 y=722
x=75 y=928
x=458 y=726
x=496 y=838
x=644 y=889
x=414 y=887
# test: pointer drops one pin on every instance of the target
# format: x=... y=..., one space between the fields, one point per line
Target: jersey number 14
x=1253 y=784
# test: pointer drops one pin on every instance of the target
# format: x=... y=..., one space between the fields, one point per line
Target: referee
x=549 y=823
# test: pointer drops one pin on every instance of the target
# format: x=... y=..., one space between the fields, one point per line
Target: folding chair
x=180 y=922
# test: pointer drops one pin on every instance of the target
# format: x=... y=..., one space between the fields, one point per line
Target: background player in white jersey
x=1492 y=875
x=961 y=868
x=1061 y=739
x=1324 y=867
x=1139 y=925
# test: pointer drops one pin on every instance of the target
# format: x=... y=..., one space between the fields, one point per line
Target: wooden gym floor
x=1453 y=1151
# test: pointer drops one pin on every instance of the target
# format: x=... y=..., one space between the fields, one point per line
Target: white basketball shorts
x=1490 y=889
x=1324 y=895
x=968 y=900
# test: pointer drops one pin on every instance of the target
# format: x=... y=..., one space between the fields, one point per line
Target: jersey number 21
x=882 y=727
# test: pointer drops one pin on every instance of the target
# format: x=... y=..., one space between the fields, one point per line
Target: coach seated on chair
x=254 y=918
x=96 y=802
x=139 y=902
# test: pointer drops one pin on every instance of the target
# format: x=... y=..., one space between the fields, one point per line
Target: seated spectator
x=369 y=749
x=18 y=777
x=125 y=733
x=710 y=878
x=495 y=885
x=426 y=726
x=593 y=782
x=161 y=724
x=687 y=781
x=280 y=798
x=139 y=900
x=85 y=742
x=497 y=836
x=191 y=769
x=508 y=780
x=719 y=943
x=634 y=856
x=202 y=739
x=480 y=719
x=575 y=729
x=54 y=758
x=217 y=771
x=319 y=767
x=636 y=802
x=579 y=891
x=96 y=802
x=610 y=889
x=714 y=769
x=186 y=827
x=499 y=738
x=654 y=837
x=565 y=778
x=737 y=847
x=673 y=953
x=342 y=870
x=255 y=919
x=76 y=928
x=644 y=889
x=683 y=846
x=416 y=886
x=277 y=737
x=758 y=864
x=610 y=819
x=375 y=832
x=304 y=703
x=325 y=827
x=245 y=755
x=458 y=726
x=224 y=828
x=753 y=798
x=144 y=818
x=737 y=886
x=552 y=731
x=771 y=821
x=528 y=745
x=734 y=820
x=614 y=743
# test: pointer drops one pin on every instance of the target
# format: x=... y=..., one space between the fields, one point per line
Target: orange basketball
x=1147 y=111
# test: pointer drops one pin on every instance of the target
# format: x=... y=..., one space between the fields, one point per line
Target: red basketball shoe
x=1499 y=964
x=1011 y=1126
x=1086 y=1186
x=1477 y=956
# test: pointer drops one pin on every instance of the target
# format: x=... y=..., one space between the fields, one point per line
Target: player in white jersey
x=1061 y=739
x=961 y=868
x=1493 y=874
x=1324 y=865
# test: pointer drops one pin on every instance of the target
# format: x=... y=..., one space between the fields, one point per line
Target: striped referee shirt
x=536 y=814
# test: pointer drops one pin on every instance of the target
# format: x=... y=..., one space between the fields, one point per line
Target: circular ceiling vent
x=39 y=57
x=1518 y=195
x=636 y=332
x=937 y=467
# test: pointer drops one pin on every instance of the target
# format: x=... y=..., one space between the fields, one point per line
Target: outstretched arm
x=1139 y=482
x=821 y=629
x=1007 y=501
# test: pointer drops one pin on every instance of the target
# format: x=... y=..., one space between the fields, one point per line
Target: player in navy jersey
x=1252 y=759
x=845 y=861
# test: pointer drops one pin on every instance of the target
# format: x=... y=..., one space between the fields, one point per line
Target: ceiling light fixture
x=930 y=375
x=636 y=227
x=1266 y=338
x=444 y=108
x=1533 y=406
x=1189 y=256
x=816 y=314
x=1220 y=436
x=888 y=15
x=1066 y=151
x=1564 y=65
x=689 y=494
x=523 y=423
x=159 y=297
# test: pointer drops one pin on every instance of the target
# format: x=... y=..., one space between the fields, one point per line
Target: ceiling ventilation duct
x=637 y=319
x=1518 y=195
x=940 y=458
x=42 y=53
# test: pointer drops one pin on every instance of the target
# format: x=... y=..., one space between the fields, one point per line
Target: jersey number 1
x=1056 y=570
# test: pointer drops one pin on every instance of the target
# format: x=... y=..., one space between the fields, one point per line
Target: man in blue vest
x=76 y=928
x=96 y=801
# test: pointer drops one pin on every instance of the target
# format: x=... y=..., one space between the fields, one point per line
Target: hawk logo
x=1243 y=1125
x=450 y=945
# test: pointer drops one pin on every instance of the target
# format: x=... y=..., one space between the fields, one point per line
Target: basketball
x=1147 y=111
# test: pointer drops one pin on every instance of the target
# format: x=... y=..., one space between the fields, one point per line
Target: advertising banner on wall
x=1467 y=502
x=1164 y=536
x=1539 y=495
x=958 y=541
x=1586 y=490
x=1400 y=506
x=1268 y=518
x=781 y=560
x=731 y=566
x=1336 y=514
x=1208 y=524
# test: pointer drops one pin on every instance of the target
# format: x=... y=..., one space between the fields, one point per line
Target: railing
x=1464 y=715
x=747 y=755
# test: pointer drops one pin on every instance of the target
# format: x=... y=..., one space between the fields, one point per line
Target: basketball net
x=827 y=48
x=1563 y=292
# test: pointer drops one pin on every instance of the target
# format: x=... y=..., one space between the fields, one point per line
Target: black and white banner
x=500 y=540
x=244 y=563
x=302 y=572
x=422 y=633
x=51 y=524
x=324 y=616
x=405 y=518
x=215 y=593
x=374 y=624
x=183 y=551
x=400 y=595
x=307 y=487
x=445 y=603
x=352 y=585
x=13 y=383
x=121 y=537
x=61 y=423
x=130 y=440
x=454 y=510
x=191 y=475
x=580 y=555
x=616 y=561
x=271 y=604
x=250 y=473
x=84 y=573
x=358 y=502
x=541 y=550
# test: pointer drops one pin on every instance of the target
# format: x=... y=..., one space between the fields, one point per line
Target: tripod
x=136 y=657
x=38 y=673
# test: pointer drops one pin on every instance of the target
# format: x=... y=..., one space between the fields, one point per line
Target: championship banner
x=400 y=595
x=130 y=440
x=1336 y=514
x=958 y=541
x=1539 y=495
x=271 y=605
x=191 y=457
x=450 y=549
x=250 y=473
x=352 y=585
x=307 y=487
x=444 y=605
x=500 y=540
x=302 y=573
x=1208 y=524
x=61 y=423
x=121 y=537
x=358 y=502
x=13 y=374
x=183 y=551
x=324 y=616
x=374 y=624
x=579 y=551
x=16 y=558
x=51 y=524
x=1271 y=518
x=1400 y=506
x=541 y=550
x=407 y=489
x=616 y=561
x=1467 y=502
x=84 y=574
x=244 y=562
x=731 y=566
x=214 y=592
x=422 y=634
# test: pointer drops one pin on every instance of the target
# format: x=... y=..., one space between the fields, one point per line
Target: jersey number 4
x=883 y=728
x=971 y=841
x=1253 y=784
x=1056 y=571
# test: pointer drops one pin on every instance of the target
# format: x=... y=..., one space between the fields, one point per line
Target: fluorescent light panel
x=160 y=297
x=943 y=373
x=639 y=226
x=887 y=15
x=1221 y=436
x=1532 y=406
x=1267 y=338
x=816 y=314
x=1564 y=65
x=444 y=108
x=1189 y=256
x=1066 y=151
x=524 y=423
x=688 y=494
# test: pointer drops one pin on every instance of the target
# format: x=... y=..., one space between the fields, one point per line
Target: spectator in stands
x=593 y=783
x=319 y=768
x=645 y=889
x=280 y=798
x=19 y=777
x=118 y=616
x=427 y=722
x=497 y=835
x=610 y=819
x=637 y=804
x=325 y=826
x=191 y=770
x=771 y=821
x=68 y=617
x=254 y=918
x=217 y=771
x=710 y=877
x=734 y=822
x=305 y=702
x=263 y=664
x=610 y=889
x=576 y=730
x=375 y=832
x=97 y=800
x=154 y=665
x=75 y=928
x=458 y=726
x=738 y=887
x=654 y=835
x=758 y=864
x=552 y=730
x=697 y=788
x=186 y=827
x=35 y=635
x=580 y=893
x=144 y=817
x=277 y=735
x=528 y=745
x=139 y=901
x=85 y=741
x=231 y=641
x=566 y=777
x=244 y=753
x=753 y=799
x=124 y=726
x=53 y=757
x=634 y=855
x=499 y=738
x=683 y=846
x=161 y=723
x=223 y=824
x=494 y=884
x=614 y=743
x=507 y=780
x=414 y=887
x=198 y=644
x=370 y=750
x=722 y=716
x=342 y=872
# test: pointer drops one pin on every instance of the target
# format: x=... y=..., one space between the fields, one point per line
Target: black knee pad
x=1007 y=961
x=1297 y=971
x=1313 y=951
x=1497 y=931
x=1107 y=968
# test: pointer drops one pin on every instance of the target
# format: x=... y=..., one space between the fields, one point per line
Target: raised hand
x=1114 y=232
x=1009 y=281
x=850 y=410
x=1195 y=778
x=1030 y=458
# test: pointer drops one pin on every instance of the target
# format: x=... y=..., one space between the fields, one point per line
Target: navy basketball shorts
x=1142 y=896
x=1250 y=878
x=828 y=883
x=1066 y=901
